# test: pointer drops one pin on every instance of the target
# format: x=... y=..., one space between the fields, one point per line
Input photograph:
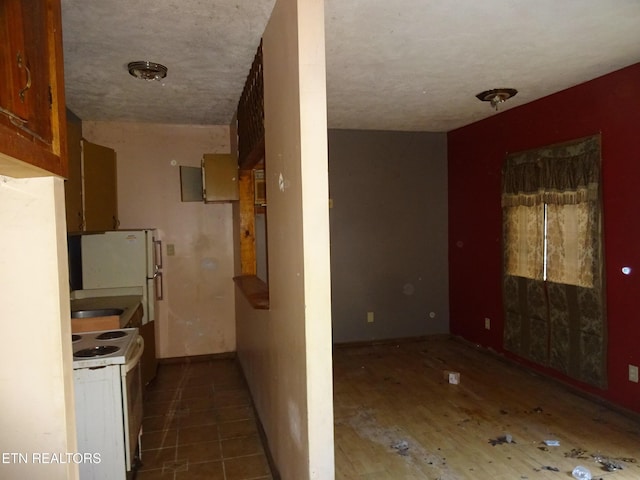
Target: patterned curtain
x=570 y=246
x=559 y=320
x=524 y=240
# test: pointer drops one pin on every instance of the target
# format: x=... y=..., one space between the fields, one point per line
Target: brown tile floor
x=199 y=423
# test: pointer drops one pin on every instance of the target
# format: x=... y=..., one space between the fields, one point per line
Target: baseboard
x=389 y=341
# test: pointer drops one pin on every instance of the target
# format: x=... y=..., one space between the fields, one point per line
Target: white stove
x=102 y=348
x=108 y=399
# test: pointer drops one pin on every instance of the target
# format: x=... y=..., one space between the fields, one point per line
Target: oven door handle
x=133 y=361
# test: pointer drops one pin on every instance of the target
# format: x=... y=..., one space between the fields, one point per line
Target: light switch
x=171 y=249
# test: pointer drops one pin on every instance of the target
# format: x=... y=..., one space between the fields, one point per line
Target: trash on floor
x=552 y=443
x=501 y=440
x=576 y=453
x=452 y=377
x=627 y=459
x=581 y=473
x=401 y=447
x=609 y=464
x=550 y=468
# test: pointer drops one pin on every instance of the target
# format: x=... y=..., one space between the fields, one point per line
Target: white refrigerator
x=127 y=261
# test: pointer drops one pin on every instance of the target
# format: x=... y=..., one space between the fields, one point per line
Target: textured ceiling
x=391 y=65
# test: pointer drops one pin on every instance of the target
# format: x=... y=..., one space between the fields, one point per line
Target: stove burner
x=111 y=335
x=75 y=338
x=96 y=351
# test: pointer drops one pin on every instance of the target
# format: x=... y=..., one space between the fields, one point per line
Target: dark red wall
x=609 y=105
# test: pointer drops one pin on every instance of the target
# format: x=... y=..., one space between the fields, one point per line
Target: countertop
x=128 y=303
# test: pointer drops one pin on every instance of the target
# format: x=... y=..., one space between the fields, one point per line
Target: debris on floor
x=550 y=468
x=609 y=464
x=452 y=377
x=627 y=459
x=552 y=443
x=401 y=447
x=581 y=473
x=501 y=440
x=535 y=410
x=576 y=453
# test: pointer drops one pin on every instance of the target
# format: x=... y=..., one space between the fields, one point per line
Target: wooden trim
x=254 y=157
x=250 y=112
x=248 y=264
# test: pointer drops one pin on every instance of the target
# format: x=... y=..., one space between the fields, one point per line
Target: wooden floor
x=398 y=418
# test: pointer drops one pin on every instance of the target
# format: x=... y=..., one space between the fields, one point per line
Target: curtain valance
x=564 y=174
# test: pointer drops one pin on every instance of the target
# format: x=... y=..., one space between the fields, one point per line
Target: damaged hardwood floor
x=398 y=418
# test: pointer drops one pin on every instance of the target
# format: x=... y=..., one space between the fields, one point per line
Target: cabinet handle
x=21 y=64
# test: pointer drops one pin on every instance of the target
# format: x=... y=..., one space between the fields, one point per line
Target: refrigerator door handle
x=157 y=278
x=157 y=254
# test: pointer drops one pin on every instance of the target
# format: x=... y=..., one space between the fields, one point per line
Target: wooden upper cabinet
x=32 y=107
x=219 y=177
x=100 y=190
x=91 y=190
x=73 y=185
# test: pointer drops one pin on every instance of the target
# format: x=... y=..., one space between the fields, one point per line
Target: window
x=553 y=285
x=550 y=242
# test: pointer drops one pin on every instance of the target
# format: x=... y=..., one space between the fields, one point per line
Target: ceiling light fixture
x=147 y=70
x=497 y=95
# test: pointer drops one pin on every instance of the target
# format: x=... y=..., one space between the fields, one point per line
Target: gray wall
x=388 y=234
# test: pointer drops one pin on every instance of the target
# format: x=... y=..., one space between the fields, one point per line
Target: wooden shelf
x=255 y=290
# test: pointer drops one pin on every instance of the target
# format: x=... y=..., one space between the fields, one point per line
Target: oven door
x=132 y=402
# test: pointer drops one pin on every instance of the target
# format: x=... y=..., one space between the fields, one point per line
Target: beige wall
x=36 y=382
x=286 y=351
x=197 y=315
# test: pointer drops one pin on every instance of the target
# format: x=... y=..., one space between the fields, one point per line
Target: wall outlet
x=487 y=323
x=369 y=317
x=633 y=373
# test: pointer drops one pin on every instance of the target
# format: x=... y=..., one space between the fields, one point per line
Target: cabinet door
x=32 y=127
x=220 y=177
x=100 y=187
x=73 y=184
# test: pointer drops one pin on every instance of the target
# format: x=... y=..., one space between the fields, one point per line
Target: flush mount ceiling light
x=497 y=95
x=147 y=70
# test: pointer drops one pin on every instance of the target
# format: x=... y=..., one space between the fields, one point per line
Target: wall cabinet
x=91 y=192
x=219 y=177
x=100 y=187
x=32 y=110
x=73 y=183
